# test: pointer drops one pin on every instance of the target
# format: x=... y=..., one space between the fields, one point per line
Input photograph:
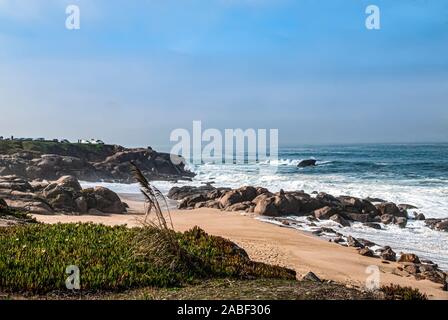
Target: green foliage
x=92 y=152
x=396 y=292
x=224 y=258
x=33 y=258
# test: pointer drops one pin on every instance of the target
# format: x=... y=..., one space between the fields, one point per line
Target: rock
x=287 y=203
x=434 y=276
x=190 y=201
x=328 y=199
x=352 y=242
x=375 y=199
x=388 y=254
x=366 y=243
x=95 y=212
x=107 y=163
x=3 y=205
x=404 y=206
x=419 y=216
x=409 y=257
x=179 y=193
x=325 y=213
x=437 y=224
x=373 y=225
x=442 y=225
x=366 y=252
x=248 y=193
x=307 y=163
x=411 y=268
x=69 y=182
x=427 y=267
x=390 y=208
x=360 y=217
x=104 y=200
x=310 y=276
x=242 y=206
x=266 y=207
x=401 y=222
x=230 y=198
x=338 y=219
x=387 y=218
x=81 y=204
x=15 y=183
x=445 y=286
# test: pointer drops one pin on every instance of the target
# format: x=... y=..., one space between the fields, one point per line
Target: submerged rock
x=307 y=163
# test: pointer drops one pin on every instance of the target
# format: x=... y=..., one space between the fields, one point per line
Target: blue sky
x=138 y=69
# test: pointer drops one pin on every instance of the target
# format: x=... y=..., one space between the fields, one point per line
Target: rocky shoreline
x=344 y=210
x=109 y=163
x=64 y=195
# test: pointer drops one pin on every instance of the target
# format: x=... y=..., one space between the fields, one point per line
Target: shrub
x=33 y=258
x=396 y=292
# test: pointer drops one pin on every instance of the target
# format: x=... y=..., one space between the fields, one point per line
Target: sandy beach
x=270 y=243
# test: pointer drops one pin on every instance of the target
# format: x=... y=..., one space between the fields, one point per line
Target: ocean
x=415 y=174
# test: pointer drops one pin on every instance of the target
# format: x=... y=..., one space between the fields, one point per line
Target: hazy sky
x=138 y=69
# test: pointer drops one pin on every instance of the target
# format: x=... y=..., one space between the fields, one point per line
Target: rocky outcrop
x=437 y=224
x=410 y=264
x=91 y=163
x=261 y=201
x=62 y=195
x=307 y=163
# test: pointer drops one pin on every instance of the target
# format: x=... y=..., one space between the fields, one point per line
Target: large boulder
x=391 y=208
x=307 y=163
x=388 y=254
x=69 y=182
x=325 y=213
x=15 y=183
x=409 y=257
x=179 y=193
x=266 y=207
x=338 y=219
x=104 y=200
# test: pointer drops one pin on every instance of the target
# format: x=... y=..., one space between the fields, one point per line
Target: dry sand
x=272 y=244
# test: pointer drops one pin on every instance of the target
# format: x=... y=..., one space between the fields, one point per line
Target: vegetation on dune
x=396 y=292
x=34 y=258
x=88 y=151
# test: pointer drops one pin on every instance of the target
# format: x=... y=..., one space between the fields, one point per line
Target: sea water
x=415 y=174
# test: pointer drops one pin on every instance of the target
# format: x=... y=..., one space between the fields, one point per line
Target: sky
x=136 y=70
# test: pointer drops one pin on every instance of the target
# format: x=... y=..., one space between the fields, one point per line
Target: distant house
x=65 y=141
x=91 y=141
x=39 y=139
